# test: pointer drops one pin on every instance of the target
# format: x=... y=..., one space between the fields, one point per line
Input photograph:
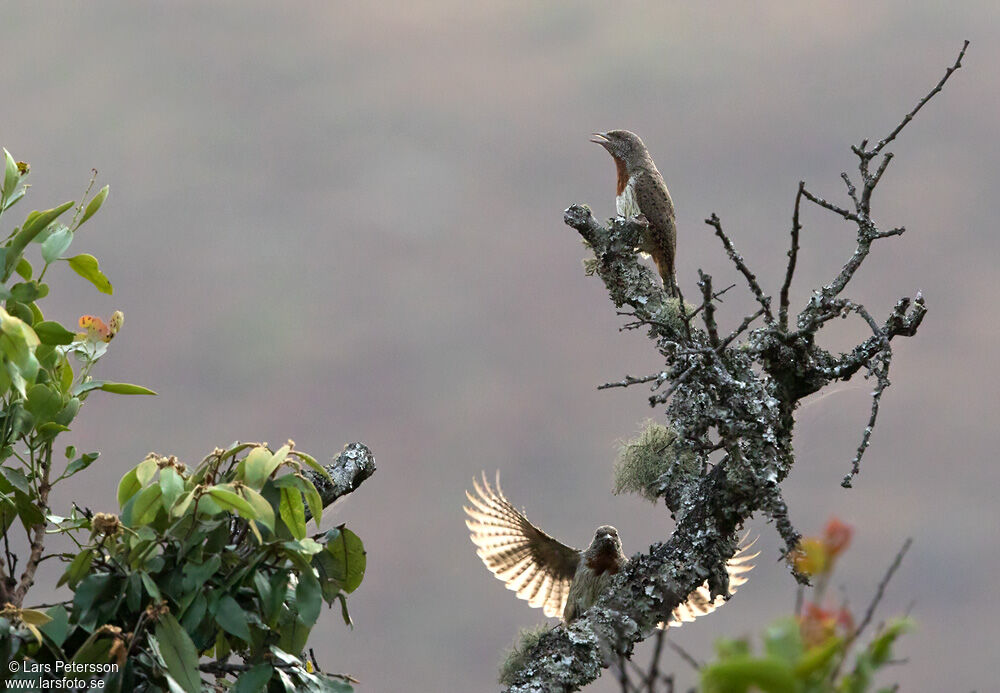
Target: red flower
x=837 y=536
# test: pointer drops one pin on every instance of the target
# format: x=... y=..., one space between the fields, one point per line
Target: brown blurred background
x=332 y=224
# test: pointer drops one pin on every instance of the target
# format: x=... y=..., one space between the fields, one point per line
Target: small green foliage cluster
x=515 y=657
x=789 y=665
x=808 y=652
x=208 y=572
x=212 y=562
x=40 y=392
x=645 y=463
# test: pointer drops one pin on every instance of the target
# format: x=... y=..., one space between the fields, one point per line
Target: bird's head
x=606 y=539
x=605 y=552
x=623 y=145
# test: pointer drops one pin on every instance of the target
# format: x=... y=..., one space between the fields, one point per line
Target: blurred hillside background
x=334 y=222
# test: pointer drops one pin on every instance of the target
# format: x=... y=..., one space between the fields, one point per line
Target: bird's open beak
x=601 y=139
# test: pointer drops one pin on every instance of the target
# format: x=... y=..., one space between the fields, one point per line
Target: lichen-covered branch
x=735 y=396
x=347 y=470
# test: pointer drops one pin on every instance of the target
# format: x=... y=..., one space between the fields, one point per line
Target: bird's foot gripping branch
x=730 y=399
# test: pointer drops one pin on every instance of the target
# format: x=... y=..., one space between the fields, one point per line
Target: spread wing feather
x=536 y=566
x=700 y=601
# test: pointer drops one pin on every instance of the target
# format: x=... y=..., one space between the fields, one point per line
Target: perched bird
x=562 y=580
x=641 y=190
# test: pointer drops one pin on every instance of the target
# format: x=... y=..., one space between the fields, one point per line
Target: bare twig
x=654 y=664
x=793 y=253
x=880 y=591
x=850 y=216
x=705 y=283
x=851 y=191
x=701 y=306
x=920 y=104
x=685 y=655
x=870 y=611
x=37 y=533
x=630 y=380
x=764 y=301
x=741 y=328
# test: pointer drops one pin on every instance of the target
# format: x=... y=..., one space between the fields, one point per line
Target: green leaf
x=314 y=501
x=151 y=587
x=33 y=225
x=881 y=647
x=818 y=657
x=56 y=244
x=742 y=673
x=195 y=611
x=77 y=569
x=58 y=627
x=35 y=617
x=133 y=592
x=145 y=470
x=308 y=490
x=88 y=593
x=26 y=292
x=171 y=484
x=308 y=598
x=24 y=268
x=783 y=640
x=293 y=512
x=195 y=574
x=28 y=510
x=50 y=429
x=95 y=650
x=182 y=504
x=94 y=205
x=39 y=221
x=86 y=266
x=258 y=465
x=125 y=389
x=231 y=617
x=128 y=487
x=17 y=479
x=66 y=415
x=349 y=558
x=178 y=653
x=254 y=679
x=43 y=403
x=172 y=685
x=232 y=501
x=18 y=342
x=292 y=633
x=10 y=175
x=343 y=610
x=314 y=465
x=307 y=547
x=65 y=374
x=146 y=505
x=20 y=310
x=262 y=509
x=10 y=203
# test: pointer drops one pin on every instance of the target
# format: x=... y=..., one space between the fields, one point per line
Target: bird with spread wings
x=564 y=581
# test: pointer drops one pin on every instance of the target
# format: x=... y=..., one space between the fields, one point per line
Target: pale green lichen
x=515 y=657
x=646 y=463
x=670 y=314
